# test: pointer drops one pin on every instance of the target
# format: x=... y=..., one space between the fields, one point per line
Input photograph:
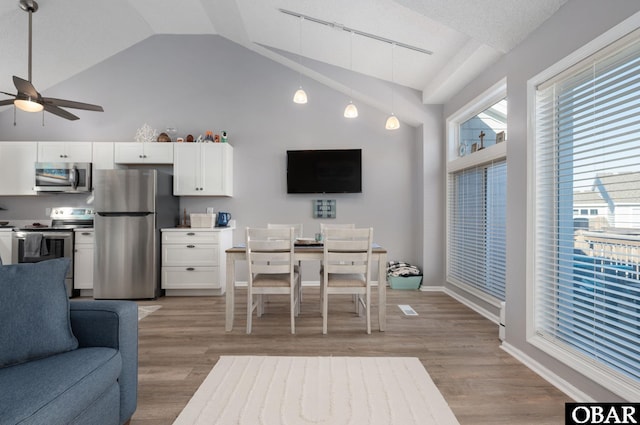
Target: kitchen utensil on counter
x=223 y=219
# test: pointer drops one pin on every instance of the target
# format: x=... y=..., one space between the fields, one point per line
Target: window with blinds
x=477 y=227
x=476 y=203
x=587 y=215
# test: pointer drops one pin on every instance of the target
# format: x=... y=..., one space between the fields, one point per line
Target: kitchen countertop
x=197 y=229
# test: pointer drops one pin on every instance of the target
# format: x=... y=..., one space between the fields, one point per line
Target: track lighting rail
x=342 y=27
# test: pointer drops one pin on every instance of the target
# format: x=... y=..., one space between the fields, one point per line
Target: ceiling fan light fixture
x=351 y=111
x=392 y=123
x=300 y=96
x=28 y=105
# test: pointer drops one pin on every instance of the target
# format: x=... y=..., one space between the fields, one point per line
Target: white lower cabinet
x=6 y=237
x=193 y=260
x=83 y=261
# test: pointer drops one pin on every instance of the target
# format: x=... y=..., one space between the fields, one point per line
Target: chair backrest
x=324 y=226
x=296 y=227
x=347 y=250
x=270 y=251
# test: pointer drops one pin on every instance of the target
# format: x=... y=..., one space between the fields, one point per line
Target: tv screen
x=324 y=171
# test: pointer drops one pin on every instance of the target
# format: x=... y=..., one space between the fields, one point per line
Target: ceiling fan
x=28 y=99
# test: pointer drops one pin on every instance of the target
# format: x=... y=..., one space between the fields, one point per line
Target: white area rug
x=259 y=390
x=145 y=310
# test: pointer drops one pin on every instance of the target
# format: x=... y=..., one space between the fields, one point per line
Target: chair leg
x=368 y=312
x=325 y=311
x=292 y=310
x=249 y=310
x=260 y=300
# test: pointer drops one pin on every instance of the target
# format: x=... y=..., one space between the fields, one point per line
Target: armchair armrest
x=112 y=324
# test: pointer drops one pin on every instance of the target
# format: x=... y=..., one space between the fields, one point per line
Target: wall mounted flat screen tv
x=324 y=171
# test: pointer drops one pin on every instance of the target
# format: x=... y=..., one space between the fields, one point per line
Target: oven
x=54 y=244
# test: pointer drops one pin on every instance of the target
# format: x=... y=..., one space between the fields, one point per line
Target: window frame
x=493 y=153
x=599 y=374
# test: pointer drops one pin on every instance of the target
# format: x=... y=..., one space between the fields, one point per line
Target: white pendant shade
x=350 y=111
x=28 y=105
x=392 y=123
x=300 y=96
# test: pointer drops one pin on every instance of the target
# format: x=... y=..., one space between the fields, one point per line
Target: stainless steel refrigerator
x=131 y=206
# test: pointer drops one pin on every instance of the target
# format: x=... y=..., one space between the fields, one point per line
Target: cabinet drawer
x=84 y=237
x=190 y=278
x=190 y=255
x=190 y=236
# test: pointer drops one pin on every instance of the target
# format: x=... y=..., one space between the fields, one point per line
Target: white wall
x=203 y=82
x=574 y=25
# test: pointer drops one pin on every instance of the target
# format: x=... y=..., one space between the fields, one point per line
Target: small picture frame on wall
x=324 y=208
x=500 y=137
x=474 y=147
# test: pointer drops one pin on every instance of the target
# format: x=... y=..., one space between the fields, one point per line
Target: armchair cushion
x=34 y=311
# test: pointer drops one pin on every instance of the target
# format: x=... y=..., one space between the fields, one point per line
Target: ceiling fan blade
x=25 y=87
x=71 y=104
x=60 y=112
x=6 y=102
x=8 y=94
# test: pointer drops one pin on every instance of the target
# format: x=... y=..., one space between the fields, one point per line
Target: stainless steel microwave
x=70 y=177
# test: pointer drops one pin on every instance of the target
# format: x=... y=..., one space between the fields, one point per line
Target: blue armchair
x=63 y=362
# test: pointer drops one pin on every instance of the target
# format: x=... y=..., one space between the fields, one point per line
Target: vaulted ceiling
x=465 y=36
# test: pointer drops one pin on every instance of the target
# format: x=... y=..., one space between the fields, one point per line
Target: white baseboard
x=547 y=374
x=481 y=311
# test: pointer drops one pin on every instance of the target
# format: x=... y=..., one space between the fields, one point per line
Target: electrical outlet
x=47 y=211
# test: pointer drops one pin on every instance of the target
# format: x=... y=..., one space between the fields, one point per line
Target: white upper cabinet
x=17 y=170
x=103 y=156
x=203 y=169
x=64 y=152
x=143 y=153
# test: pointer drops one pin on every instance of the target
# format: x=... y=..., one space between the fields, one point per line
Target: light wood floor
x=180 y=343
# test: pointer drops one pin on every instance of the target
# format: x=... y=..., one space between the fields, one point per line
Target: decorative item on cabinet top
x=148 y=134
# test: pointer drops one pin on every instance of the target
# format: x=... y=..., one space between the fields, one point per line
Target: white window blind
x=587 y=156
x=477 y=227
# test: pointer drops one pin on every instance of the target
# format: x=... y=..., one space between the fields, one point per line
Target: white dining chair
x=270 y=258
x=297 y=228
x=346 y=269
x=336 y=226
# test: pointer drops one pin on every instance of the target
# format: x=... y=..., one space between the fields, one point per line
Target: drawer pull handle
x=191 y=234
x=86 y=234
x=190 y=269
x=191 y=246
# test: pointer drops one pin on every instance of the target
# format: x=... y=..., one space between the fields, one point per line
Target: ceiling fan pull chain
x=14 y=115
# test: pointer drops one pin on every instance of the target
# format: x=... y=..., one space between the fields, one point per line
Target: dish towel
x=35 y=245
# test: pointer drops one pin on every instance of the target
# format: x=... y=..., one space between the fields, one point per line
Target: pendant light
x=392 y=121
x=351 y=111
x=300 y=95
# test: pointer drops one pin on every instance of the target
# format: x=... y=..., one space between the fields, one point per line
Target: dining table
x=304 y=252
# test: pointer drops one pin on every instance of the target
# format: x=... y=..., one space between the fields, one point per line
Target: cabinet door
x=83 y=266
x=212 y=172
x=128 y=153
x=5 y=247
x=186 y=169
x=103 y=158
x=64 y=152
x=17 y=171
x=83 y=260
x=143 y=153
x=158 y=153
x=217 y=169
x=204 y=169
x=190 y=255
x=190 y=278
